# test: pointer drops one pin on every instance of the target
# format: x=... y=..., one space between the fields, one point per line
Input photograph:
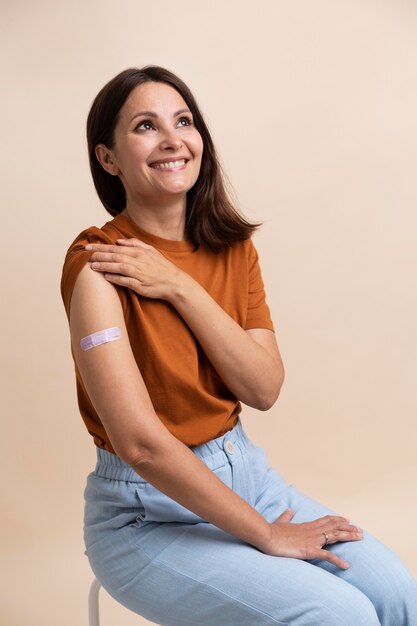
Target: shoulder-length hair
x=211 y=218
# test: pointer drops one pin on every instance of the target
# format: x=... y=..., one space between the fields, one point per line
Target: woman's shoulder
x=246 y=248
x=77 y=256
x=93 y=234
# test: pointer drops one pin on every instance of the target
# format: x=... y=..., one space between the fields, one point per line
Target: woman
x=185 y=523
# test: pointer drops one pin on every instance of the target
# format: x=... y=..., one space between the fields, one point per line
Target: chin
x=180 y=188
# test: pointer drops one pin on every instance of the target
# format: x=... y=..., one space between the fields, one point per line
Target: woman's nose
x=171 y=139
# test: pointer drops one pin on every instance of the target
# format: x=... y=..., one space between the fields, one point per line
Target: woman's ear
x=106 y=159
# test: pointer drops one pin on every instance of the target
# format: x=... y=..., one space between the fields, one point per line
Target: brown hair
x=211 y=218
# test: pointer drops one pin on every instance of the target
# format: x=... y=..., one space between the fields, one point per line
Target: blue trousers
x=174 y=568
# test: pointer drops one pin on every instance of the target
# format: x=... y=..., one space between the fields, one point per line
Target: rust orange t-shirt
x=188 y=395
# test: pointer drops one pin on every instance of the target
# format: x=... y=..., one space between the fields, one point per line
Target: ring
x=326 y=536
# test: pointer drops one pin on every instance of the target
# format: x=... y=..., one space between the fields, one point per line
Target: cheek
x=139 y=149
x=196 y=145
x=197 y=150
x=200 y=147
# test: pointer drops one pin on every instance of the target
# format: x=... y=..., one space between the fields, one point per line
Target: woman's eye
x=146 y=125
x=185 y=121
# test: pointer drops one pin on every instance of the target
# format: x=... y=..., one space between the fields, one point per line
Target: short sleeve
x=258 y=315
x=75 y=259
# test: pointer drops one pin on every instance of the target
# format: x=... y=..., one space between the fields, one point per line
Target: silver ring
x=326 y=536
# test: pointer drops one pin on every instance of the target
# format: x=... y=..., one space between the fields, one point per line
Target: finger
x=104 y=247
x=125 y=269
x=347 y=526
x=350 y=528
x=346 y=530
x=342 y=532
x=114 y=257
x=331 y=520
x=337 y=536
x=133 y=242
x=107 y=256
x=124 y=281
x=286 y=516
x=331 y=557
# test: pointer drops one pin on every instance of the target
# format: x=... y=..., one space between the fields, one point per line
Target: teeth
x=161 y=166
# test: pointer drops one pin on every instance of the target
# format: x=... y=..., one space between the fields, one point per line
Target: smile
x=169 y=165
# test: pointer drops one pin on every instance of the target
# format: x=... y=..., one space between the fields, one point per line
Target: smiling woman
x=151 y=117
x=181 y=500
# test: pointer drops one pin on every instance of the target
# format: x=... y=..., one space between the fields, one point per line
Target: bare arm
x=142 y=440
x=248 y=361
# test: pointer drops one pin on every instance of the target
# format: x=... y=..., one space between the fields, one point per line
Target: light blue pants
x=174 y=568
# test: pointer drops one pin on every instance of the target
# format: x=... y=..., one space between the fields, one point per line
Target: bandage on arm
x=99 y=337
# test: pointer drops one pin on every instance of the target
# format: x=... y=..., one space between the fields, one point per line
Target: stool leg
x=93 y=607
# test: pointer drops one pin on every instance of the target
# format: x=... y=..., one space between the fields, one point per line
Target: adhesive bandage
x=101 y=336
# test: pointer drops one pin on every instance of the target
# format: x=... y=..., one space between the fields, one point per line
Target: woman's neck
x=167 y=221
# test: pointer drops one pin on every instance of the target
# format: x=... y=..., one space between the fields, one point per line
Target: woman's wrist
x=182 y=289
x=264 y=541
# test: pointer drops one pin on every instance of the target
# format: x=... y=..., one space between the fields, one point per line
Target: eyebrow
x=153 y=114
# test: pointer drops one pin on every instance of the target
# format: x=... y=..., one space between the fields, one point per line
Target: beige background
x=312 y=107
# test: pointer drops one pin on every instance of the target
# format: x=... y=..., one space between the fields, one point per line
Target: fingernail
x=346 y=565
x=89 y=247
x=95 y=265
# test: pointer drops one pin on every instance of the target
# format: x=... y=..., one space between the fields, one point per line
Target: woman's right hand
x=306 y=540
x=138 y=266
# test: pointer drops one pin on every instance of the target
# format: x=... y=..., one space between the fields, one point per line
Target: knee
x=394 y=595
x=381 y=575
x=349 y=607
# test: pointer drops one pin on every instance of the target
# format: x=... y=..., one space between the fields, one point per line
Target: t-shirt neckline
x=131 y=229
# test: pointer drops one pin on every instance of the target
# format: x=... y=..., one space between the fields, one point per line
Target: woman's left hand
x=138 y=266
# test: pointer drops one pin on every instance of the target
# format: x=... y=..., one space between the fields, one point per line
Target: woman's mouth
x=170 y=165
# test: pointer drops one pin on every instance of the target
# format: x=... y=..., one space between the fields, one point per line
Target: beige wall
x=312 y=107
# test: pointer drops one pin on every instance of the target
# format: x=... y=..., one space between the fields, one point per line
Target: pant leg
x=374 y=569
x=205 y=576
x=168 y=565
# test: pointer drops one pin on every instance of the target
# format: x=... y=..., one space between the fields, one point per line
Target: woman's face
x=157 y=149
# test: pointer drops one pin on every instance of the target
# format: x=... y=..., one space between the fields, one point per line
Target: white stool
x=93 y=607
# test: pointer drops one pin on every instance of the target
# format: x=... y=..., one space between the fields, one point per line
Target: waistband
x=214 y=453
